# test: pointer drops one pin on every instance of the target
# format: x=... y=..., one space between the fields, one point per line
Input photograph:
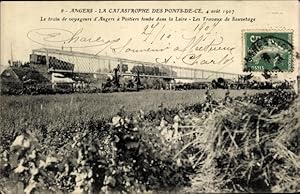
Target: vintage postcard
x=149 y=97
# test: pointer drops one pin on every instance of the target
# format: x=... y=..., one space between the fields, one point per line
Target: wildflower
x=21 y=168
x=21 y=141
x=116 y=121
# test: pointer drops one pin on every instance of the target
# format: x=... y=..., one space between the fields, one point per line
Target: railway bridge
x=100 y=64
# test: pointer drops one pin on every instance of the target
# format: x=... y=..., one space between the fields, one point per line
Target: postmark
x=268 y=51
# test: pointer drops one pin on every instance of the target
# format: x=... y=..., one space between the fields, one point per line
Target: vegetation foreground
x=51 y=111
x=234 y=144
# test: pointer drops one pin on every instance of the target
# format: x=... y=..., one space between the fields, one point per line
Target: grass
x=245 y=148
x=79 y=107
x=52 y=111
x=240 y=146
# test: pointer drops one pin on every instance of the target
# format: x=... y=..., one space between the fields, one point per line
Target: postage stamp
x=266 y=50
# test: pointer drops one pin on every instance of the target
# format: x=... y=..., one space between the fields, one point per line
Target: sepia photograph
x=149 y=97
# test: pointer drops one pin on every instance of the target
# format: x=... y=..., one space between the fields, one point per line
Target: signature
x=56 y=37
x=193 y=59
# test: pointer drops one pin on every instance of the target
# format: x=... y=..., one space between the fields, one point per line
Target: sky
x=196 y=40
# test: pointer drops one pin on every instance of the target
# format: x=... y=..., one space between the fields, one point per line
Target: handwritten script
x=200 y=45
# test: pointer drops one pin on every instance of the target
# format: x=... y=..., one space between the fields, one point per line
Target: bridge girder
x=181 y=72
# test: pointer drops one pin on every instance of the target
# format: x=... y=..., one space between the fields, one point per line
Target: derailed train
x=148 y=70
x=37 y=77
x=58 y=76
